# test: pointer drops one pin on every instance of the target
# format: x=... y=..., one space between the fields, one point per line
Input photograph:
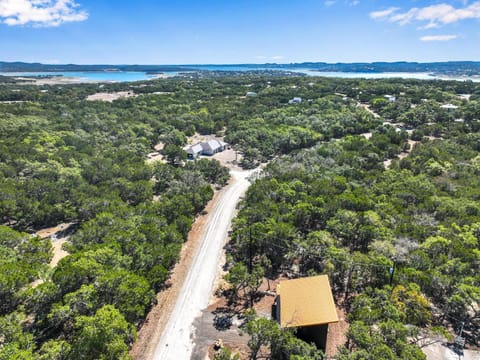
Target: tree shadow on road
x=223 y=318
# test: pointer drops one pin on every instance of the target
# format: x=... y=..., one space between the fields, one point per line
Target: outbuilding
x=306 y=304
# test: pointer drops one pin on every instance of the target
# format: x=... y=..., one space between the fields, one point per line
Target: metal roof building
x=306 y=301
x=194 y=151
x=308 y=305
x=212 y=147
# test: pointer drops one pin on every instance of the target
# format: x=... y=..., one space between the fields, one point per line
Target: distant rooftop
x=449 y=106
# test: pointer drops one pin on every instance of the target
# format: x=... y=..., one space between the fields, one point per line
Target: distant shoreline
x=449 y=68
x=85 y=77
x=57 y=78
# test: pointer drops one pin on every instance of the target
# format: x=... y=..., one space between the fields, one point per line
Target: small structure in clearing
x=390 y=98
x=308 y=305
x=295 y=100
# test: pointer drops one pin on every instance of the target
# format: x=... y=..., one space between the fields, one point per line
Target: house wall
x=314 y=334
x=276 y=309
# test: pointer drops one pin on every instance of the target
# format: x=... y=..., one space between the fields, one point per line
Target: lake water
x=386 y=75
x=125 y=76
x=95 y=76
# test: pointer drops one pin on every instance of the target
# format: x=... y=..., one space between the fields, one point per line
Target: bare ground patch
x=440 y=350
x=109 y=97
x=58 y=252
x=223 y=320
x=58 y=235
x=197 y=138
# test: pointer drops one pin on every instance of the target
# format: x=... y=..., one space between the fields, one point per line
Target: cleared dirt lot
x=109 y=97
x=58 y=235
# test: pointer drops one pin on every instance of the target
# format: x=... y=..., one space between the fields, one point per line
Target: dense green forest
x=324 y=202
x=400 y=244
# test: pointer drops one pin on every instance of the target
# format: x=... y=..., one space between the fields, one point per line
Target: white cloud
x=383 y=13
x=438 y=37
x=40 y=12
x=270 y=58
x=430 y=25
x=435 y=15
x=329 y=3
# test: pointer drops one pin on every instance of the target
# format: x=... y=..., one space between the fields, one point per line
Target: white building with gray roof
x=208 y=148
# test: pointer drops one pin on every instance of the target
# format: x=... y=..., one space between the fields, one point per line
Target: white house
x=295 y=100
x=390 y=98
x=212 y=147
x=194 y=151
x=449 y=107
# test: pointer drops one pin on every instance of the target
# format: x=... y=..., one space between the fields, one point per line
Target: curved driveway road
x=177 y=341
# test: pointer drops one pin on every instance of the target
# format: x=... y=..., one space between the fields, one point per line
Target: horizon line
x=246 y=63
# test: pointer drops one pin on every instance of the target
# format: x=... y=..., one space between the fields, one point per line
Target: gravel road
x=177 y=341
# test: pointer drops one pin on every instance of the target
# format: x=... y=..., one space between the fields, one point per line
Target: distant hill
x=467 y=68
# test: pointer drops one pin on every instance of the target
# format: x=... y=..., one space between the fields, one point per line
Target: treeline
x=38 y=67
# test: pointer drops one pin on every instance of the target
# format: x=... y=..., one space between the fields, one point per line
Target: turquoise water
x=117 y=76
x=387 y=75
x=344 y=75
x=359 y=75
x=125 y=76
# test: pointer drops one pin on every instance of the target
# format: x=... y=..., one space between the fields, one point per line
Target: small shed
x=306 y=304
x=251 y=94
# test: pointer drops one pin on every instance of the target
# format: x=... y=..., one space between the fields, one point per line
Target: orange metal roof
x=306 y=301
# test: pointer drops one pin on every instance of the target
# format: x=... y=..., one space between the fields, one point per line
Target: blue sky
x=241 y=31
